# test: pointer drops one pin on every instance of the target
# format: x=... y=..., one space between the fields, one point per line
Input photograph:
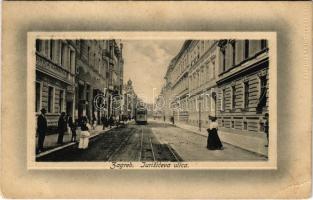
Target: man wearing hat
x=41 y=129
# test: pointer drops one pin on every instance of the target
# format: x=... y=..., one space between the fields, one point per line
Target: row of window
x=206 y=73
x=51 y=97
x=57 y=51
x=93 y=54
x=191 y=57
x=243 y=127
x=182 y=85
x=236 y=51
x=246 y=92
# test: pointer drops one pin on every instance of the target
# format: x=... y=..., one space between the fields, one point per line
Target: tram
x=141 y=115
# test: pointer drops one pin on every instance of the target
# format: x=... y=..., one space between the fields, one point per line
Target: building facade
x=243 y=86
x=99 y=67
x=191 y=83
x=55 y=78
x=223 y=78
x=202 y=82
x=71 y=74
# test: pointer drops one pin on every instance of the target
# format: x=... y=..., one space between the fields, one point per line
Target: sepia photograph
x=151 y=103
x=156 y=100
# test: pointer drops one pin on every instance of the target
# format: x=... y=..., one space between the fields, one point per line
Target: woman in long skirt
x=214 y=142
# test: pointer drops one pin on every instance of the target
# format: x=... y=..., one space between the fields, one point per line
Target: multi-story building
x=243 y=89
x=179 y=80
x=90 y=76
x=71 y=73
x=55 y=77
x=223 y=78
x=99 y=66
x=202 y=81
x=191 y=82
x=166 y=97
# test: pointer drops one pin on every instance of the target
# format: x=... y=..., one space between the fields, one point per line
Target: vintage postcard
x=156 y=100
x=151 y=100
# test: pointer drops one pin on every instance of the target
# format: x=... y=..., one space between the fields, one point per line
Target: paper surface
x=292 y=179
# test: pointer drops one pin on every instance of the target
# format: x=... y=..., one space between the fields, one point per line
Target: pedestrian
x=104 y=121
x=72 y=124
x=213 y=142
x=62 y=127
x=41 y=129
x=83 y=124
x=84 y=134
x=164 y=118
x=172 y=119
x=266 y=127
x=93 y=121
x=111 y=121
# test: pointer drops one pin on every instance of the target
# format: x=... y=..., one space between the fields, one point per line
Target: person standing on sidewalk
x=111 y=121
x=41 y=129
x=213 y=142
x=266 y=127
x=104 y=121
x=62 y=127
x=72 y=124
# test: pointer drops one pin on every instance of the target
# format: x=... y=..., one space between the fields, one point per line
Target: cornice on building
x=245 y=67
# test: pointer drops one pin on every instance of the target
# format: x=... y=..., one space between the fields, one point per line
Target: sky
x=146 y=62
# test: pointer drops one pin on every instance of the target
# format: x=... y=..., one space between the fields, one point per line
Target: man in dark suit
x=41 y=129
x=62 y=127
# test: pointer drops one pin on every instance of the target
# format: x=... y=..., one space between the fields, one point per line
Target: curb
x=68 y=145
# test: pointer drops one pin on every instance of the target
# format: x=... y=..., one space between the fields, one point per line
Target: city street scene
x=151 y=100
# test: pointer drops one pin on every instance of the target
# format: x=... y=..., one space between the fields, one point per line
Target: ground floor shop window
x=38 y=96
x=245 y=125
x=246 y=94
x=50 y=99
x=61 y=101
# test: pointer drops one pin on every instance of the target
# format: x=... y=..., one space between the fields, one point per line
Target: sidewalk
x=253 y=144
x=50 y=143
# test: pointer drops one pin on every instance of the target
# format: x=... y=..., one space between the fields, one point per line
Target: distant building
x=130 y=99
x=191 y=83
x=202 y=82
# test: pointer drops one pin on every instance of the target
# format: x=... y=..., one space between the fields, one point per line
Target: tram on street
x=141 y=115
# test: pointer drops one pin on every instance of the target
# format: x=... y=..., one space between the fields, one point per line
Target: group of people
x=66 y=121
x=63 y=122
x=214 y=142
